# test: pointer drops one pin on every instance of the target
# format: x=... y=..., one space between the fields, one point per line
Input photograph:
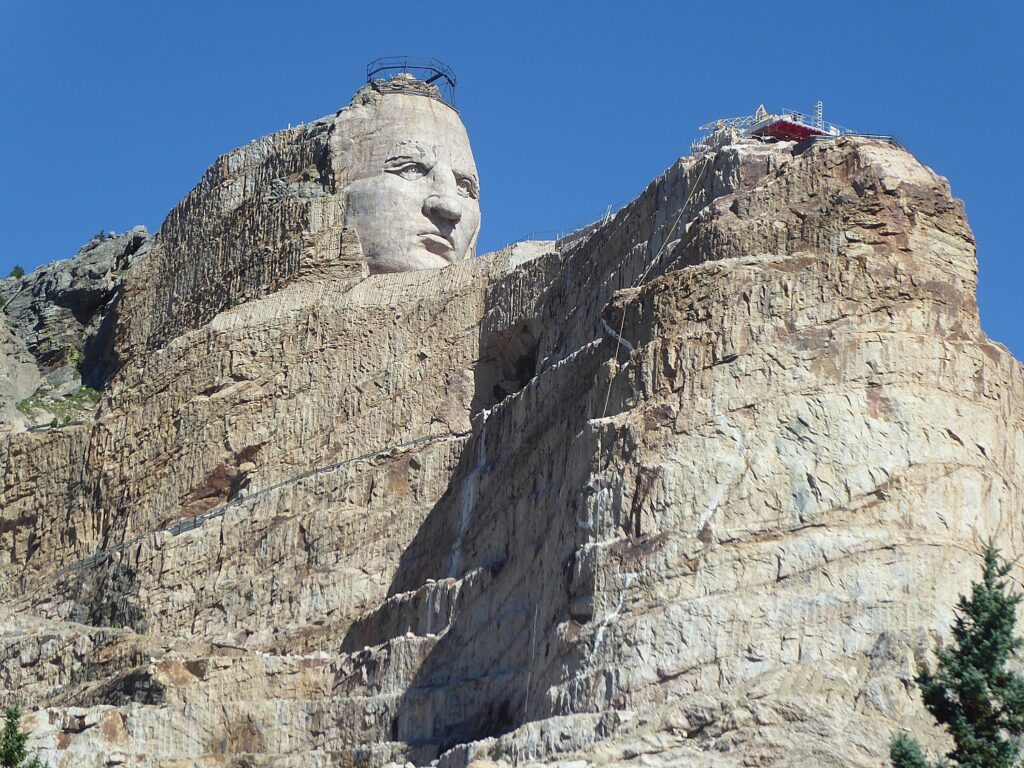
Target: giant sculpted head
x=412 y=191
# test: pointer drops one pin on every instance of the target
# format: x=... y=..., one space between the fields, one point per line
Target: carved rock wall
x=240 y=234
x=698 y=488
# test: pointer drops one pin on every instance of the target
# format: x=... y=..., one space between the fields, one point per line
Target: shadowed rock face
x=698 y=488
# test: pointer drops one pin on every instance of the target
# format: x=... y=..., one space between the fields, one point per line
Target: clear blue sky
x=112 y=110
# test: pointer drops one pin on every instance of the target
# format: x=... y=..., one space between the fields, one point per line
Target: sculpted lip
x=437 y=244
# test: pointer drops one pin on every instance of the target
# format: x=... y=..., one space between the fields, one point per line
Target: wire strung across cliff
x=619 y=341
x=190 y=524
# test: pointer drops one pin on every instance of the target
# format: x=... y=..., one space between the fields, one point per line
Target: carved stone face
x=413 y=192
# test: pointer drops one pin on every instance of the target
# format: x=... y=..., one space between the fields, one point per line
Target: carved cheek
x=471 y=215
x=398 y=195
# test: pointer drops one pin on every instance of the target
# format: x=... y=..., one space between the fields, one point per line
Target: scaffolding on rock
x=788 y=125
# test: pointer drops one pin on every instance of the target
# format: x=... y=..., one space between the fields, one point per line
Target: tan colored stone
x=697 y=487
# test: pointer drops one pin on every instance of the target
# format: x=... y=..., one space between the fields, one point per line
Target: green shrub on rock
x=13 y=753
x=905 y=753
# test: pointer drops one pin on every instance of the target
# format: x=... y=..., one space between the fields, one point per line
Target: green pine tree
x=906 y=753
x=13 y=753
x=972 y=693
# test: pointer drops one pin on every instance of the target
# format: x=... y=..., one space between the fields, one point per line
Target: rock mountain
x=696 y=486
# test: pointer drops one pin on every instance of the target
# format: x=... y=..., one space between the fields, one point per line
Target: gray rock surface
x=57 y=308
x=698 y=487
x=57 y=331
x=19 y=378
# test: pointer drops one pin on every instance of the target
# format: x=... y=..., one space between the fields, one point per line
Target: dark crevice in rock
x=508 y=360
x=110 y=598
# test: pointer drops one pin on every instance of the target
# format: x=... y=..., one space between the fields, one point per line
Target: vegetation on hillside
x=972 y=692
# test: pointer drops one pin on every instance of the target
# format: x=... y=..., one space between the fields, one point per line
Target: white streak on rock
x=723 y=488
x=533 y=657
x=602 y=628
x=468 y=495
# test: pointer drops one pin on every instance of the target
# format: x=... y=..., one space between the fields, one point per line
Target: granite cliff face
x=698 y=487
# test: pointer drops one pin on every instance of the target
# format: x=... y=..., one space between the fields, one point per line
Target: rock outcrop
x=699 y=487
x=57 y=335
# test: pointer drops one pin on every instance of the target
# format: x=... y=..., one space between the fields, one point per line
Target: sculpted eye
x=408 y=169
x=467 y=186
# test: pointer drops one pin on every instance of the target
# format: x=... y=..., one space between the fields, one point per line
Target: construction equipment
x=789 y=125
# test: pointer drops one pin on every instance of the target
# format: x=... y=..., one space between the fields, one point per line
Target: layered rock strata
x=698 y=488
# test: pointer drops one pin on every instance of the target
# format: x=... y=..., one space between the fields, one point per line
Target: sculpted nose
x=443 y=207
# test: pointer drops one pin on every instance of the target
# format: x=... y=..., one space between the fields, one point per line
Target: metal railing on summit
x=569 y=234
x=426 y=70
